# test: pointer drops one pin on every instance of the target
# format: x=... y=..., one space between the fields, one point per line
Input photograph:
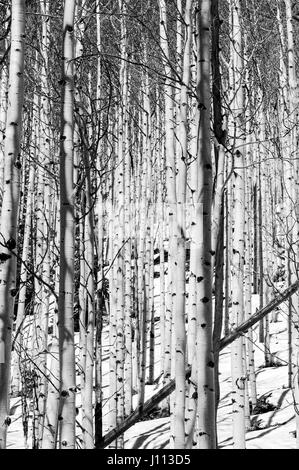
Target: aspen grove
x=149 y=223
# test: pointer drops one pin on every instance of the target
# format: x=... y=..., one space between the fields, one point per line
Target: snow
x=273 y=430
x=276 y=427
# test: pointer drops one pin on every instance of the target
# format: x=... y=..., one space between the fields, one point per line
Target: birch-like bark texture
x=204 y=361
x=90 y=290
x=238 y=242
x=3 y=113
x=10 y=203
x=179 y=323
x=98 y=415
x=292 y=191
x=152 y=195
x=45 y=222
x=248 y=283
x=238 y=377
x=66 y=275
x=171 y=197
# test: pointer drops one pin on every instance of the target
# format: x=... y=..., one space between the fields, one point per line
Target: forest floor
x=274 y=429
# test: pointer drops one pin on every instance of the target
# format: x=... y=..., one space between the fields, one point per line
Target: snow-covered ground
x=274 y=429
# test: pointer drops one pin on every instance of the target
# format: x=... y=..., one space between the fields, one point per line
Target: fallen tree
x=253 y=319
x=150 y=404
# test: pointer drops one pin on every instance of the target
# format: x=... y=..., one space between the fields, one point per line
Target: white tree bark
x=67 y=414
x=9 y=212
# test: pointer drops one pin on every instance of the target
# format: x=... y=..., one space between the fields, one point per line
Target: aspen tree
x=179 y=321
x=266 y=251
x=230 y=85
x=204 y=361
x=37 y=251
x=161 y=207
x=50 y=433
x=9 y=212
x=149 y=249
x=66 y=285
x=170 y=187
x=18 y=337
x=292 y=191
x=100 y=215
x=3 y=109
x=112 y=323
x=143 y=281
x=193 y=233
x=219 y=132
x=218 y=192
x=238 y=379
x=152 y=333
x=179 y=66
x=138 y=252
x=89 y=361
x=45 y=222
x=87 y=273
x=260 y=229
x=195 y=240
x=51 y=413
x=82 y=295
x=119 y=230
x=80 y=147
x=248 y=274
x=227 y=289
x=128 y=226
x=119 y=234
x=286 y=167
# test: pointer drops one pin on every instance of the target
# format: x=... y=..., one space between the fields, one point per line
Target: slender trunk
x=170 y=189
x=9 y=212
x=293 y=195
x=18 y=336
x=90 y=323
x=238 y=379
x=204 y=367
x=66 y=286
x=98 y=418
x=179 y=323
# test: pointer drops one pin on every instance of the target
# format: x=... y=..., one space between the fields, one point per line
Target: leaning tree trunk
x=9 y=213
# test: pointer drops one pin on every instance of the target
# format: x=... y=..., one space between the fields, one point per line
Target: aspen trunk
x=170 y=189
x=18 y=337
x=238 y=379
x=66 y=286
x=204 y=369
x=98 y=418
x=293 y=219
x=9 y=212
x=3 y=109
x=179 y=323
x=45 y=216
x=90 y=324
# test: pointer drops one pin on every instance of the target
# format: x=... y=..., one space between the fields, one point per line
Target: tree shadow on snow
x=278 y=406
x=271 y=429
x=154 y=432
